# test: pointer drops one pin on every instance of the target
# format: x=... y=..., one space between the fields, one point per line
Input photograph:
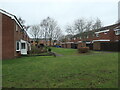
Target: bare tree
x=80 y=25
x=22 y=22
x=57 y=33
x=70 y=30
x=49 y=25
x=97 y=24
x=52 y=29
x=35 y=32
x=61 y=38
x=44 y=27
x=89 y=25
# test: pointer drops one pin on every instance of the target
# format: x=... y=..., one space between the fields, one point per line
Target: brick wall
x=96 y=46
x=68 y=45
x=110 y=46
x=7 y=37
x=82 y=44
x=90 y=36
x=64 y=45
x=18 y=35
x=79 y=45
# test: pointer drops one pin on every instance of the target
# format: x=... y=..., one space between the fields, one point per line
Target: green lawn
x=72 y=70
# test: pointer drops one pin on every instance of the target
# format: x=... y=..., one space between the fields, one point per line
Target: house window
x=17 y=46
x=16 y=27
x=105 y=32
x=87 y=36
x=22 y=45
x=97 y=35
x=117 y=32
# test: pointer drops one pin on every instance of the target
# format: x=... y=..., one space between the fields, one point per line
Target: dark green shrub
x=49 y=49
x=36 y=50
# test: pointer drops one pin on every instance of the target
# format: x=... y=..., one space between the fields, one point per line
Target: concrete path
x=57 y=54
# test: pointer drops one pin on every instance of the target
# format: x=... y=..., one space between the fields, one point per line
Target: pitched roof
x=12 y=17
x=101 y=29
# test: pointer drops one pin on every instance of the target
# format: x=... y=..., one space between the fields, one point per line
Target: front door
x=23 y=48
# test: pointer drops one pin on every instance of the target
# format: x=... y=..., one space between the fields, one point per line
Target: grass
x=72 y=70
x=65 y=51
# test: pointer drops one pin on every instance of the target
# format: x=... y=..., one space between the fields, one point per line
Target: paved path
x=58 y=54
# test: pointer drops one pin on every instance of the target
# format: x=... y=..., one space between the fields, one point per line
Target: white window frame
x=19 y=46
x=87 y=36
x=117 y=32
x=97 y=34
x=105 y=32
x=100 y=40
x=23 y=45
x=102 y=31
x=29 y=46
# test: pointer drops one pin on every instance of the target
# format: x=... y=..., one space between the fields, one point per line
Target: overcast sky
x=63 y=11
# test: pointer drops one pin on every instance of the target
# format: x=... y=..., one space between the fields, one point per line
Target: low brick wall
x=90 y=46
x=110 y=46
x=106 y=46
x=68 y=45
x=96 y=46
x=83 y=44
x=74 y=46
x=79 y=45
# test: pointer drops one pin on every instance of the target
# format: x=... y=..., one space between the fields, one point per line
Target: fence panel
x=110 y=46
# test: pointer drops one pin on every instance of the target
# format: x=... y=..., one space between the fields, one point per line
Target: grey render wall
x=0 y=36
x=0 y=50
x=119 y=11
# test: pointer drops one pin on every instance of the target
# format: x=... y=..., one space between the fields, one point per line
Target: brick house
x=98 y=39
x=47 y=42
x=107 y=38
x=14 y=41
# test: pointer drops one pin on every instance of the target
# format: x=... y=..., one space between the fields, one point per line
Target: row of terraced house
x=14 y=41
x=105 y=39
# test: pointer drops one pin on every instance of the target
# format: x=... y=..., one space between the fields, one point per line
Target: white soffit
x=116 y=29
x=69 y=42
x=101 y=40
x=102 y=31
x=23 y=41
x=79 y=42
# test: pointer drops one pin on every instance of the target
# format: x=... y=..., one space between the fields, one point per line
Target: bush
x=49 y=49
x=83 y=49
x=36 y=50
